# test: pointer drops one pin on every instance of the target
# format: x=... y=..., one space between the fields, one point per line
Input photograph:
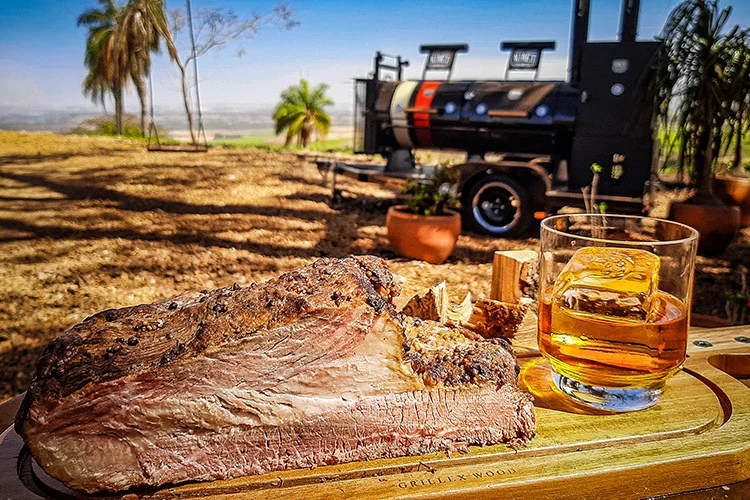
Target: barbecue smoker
x=543 y=135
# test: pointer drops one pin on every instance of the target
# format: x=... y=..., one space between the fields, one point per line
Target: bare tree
x=216 y=29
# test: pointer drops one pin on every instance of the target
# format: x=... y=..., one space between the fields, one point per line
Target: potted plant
x=695 y=87
x=732 y=186
x=426 y=227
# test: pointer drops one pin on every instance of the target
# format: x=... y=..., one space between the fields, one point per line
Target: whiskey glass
x=614 y=306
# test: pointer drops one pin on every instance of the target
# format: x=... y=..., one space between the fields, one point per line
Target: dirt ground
x=88 y=224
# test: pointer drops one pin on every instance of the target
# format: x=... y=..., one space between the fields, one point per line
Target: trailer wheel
x=497 y=205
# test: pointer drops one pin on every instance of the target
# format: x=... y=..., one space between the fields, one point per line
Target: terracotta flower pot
x=734 y=191
x=425 y=237
x=716 y=224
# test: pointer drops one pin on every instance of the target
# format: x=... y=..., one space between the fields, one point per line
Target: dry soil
x=88 y=224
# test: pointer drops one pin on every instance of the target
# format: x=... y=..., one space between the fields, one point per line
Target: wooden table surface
x=735 y=491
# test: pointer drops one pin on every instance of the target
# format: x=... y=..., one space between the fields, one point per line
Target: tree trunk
x=118 y=109
x=738 y=144
x=140 y=87
x=716 y=137
x=703 y=160
x=305 y=133
x=186 y=100
x=681 y=156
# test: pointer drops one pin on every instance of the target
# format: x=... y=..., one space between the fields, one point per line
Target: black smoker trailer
x=543 y=135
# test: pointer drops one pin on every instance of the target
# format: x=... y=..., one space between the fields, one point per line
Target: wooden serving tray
x=698 y=436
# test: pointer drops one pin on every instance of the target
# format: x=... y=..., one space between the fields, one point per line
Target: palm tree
x=96 y=87
x=301 y=112
x=692 y=88
x=141 y=27
x=108 y=68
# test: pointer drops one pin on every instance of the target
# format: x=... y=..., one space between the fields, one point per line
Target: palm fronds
x=700 y=85
x=301 y=113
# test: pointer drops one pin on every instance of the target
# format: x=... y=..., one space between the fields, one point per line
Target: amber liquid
x=613 y=351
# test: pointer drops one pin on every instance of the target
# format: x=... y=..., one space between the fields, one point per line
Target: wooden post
x=515 y=276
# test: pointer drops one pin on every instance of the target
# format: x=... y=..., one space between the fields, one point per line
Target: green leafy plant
x=434 y=196
x=699 y=87
x=106 y=125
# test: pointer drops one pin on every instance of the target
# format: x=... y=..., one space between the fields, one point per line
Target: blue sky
x=41 y=49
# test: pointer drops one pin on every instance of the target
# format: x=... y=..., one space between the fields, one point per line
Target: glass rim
x=694 y=234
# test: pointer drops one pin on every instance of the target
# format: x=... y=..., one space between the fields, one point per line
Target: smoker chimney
x=629 y=20
x=579 y=37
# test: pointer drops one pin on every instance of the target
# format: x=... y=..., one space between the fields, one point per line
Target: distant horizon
x=41 y=48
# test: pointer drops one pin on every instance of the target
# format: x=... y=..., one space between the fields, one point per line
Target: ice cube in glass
x=606 y=281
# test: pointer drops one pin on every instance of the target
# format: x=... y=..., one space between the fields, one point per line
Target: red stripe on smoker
x=422 y=120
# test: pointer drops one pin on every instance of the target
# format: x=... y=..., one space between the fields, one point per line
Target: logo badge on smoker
x=620 y=66
x=541 y=111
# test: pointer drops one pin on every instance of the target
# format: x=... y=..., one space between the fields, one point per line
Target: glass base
x=617 y=399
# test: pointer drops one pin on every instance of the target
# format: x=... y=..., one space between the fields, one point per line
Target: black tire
x=497 y=205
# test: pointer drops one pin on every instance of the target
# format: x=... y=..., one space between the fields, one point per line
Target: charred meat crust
x=158 y=334
x=464 y=364
x=462 y=358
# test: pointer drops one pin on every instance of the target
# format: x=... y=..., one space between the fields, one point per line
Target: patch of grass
x=337 y=145
x=104 y=126
x=250 y=141
x=259 y=142
x=163 y=140
x=670 y=137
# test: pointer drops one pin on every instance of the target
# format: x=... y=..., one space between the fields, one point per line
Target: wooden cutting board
x=698 y=436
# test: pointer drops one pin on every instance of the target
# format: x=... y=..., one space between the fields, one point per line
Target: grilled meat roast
x=312 y=368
